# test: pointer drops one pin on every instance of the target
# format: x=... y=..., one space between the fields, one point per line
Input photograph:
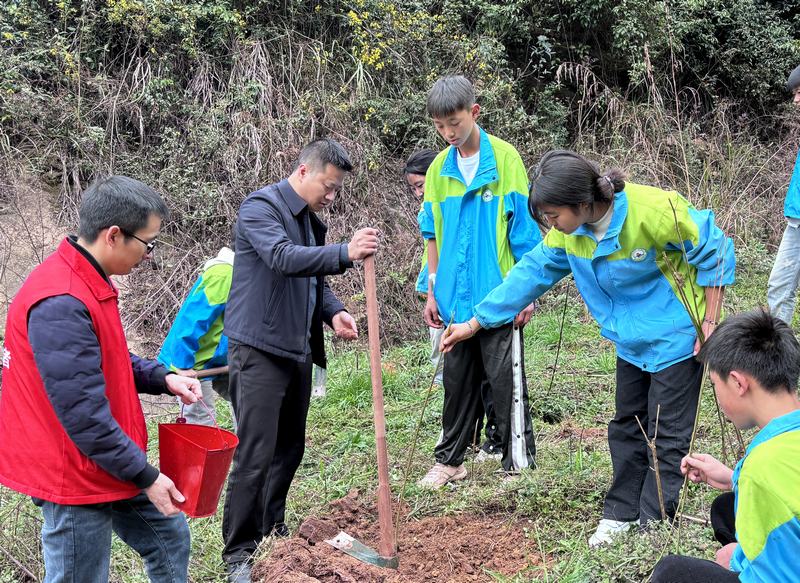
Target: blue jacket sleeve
x=713 y=256
x=534 y=274
x=425 y=220
x=523 y=231
x=262 y=226
x=69 y=364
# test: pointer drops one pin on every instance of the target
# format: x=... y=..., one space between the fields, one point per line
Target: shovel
x=210 y=372
x=387 y=549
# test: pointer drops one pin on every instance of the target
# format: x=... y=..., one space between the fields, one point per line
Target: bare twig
x=651 y=443
x=19 y=565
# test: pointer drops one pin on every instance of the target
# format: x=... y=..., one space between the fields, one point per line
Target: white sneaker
x=607 y=530
x=484 y=456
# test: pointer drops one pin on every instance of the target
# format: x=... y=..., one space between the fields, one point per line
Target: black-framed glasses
x=148 y=245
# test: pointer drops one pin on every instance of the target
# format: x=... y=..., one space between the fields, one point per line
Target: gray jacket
x=269 y=300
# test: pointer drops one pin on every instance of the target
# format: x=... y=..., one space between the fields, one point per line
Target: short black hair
x=449 y=95
x=419 y=161
x=793 y=81
x=325 y=151
x=121 y=201
x=758 y=344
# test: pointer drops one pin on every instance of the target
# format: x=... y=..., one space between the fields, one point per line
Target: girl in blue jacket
x=643 y=259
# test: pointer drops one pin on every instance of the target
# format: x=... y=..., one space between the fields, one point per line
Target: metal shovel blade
x=345 y=542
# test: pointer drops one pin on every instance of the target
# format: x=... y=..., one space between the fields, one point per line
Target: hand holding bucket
x=197 y=458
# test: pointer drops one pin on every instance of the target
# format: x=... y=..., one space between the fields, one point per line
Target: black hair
x=565 y=178
x=419 y=162
x=325 y=151
x=121 y=201
x=449 y=95
x=758 y=344
x=793 y=82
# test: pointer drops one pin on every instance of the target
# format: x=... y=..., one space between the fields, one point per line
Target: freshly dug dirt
x=451 y=549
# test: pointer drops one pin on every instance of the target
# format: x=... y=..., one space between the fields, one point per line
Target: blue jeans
x=76 y=540
x=785 y=276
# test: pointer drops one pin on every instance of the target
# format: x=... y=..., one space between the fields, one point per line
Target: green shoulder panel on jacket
x=769 y=495
x=663 y=214
x=513 y=184
x=662 y=218
x=583 y=247
x=510 y=167
x=217 y=283
x=435 y=184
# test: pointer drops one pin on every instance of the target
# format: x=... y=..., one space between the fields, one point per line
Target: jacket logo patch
x=487 y=195
x=638 y=254
x=6 y=358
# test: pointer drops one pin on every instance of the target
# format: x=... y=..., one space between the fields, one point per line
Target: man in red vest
x=72 y=431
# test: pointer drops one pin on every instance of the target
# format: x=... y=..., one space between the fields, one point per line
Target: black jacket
x=268 y=303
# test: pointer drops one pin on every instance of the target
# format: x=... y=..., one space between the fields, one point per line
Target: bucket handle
x=182 y=419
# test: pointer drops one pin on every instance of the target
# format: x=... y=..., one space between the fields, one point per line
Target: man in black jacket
x=278 y=302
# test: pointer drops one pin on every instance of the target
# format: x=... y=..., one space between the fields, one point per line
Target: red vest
x=37 y=457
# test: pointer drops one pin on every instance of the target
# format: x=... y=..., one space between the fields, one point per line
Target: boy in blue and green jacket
x=414 y=171
x=476 y=225
x=754 y=359
x=195 y=341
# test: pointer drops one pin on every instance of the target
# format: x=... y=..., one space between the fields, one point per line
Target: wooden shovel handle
x=210 y=372
x=387 y=547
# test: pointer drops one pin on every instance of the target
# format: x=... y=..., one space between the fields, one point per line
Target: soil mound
x=450 y=549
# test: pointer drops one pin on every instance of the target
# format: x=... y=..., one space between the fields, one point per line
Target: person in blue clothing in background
x=195 y=341
x=635 y=252
x=414 y=171
x=785 y=276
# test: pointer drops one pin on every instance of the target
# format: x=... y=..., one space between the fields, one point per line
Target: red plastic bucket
x=197 y=458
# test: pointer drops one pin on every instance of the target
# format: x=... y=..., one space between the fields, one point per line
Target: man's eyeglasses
x=148 y=245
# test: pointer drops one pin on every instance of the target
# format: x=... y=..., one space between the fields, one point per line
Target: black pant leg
x=462 y=376
x=258 y=383
x=680 y=569
x=502 y=354
x=493 y=441
x=629 y=454
x=290 y=445
x=723 y=519
x=675 y=389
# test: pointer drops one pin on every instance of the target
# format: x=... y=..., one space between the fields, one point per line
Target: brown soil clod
x=315 y=530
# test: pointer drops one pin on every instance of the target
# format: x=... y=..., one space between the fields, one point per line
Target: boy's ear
x=741 y=382
x=475 y=111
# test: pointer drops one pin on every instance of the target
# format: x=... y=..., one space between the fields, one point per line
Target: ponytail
x=608 y=184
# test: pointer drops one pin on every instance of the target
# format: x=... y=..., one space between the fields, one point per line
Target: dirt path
x=28 y=234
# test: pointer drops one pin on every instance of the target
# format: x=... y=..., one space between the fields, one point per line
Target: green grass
x=559 y=503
